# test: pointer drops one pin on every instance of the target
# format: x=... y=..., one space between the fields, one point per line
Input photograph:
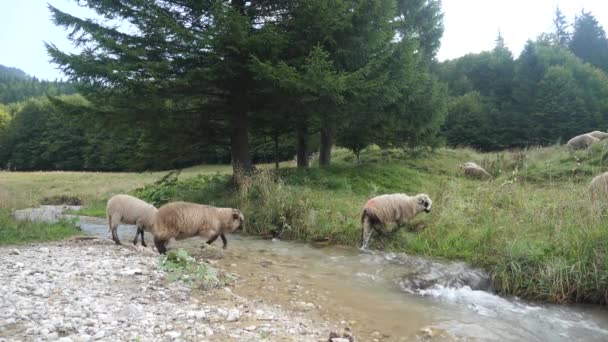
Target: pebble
x=93 y=290
x=233 y=315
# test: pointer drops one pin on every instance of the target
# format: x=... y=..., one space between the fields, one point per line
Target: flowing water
x=390 y=296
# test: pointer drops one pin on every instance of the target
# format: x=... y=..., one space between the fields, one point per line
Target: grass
x=20 y=232
x=26 y=189
x=532 y=227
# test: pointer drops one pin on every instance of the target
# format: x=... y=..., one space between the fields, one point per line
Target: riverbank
x=532 y=227
x=91 y=289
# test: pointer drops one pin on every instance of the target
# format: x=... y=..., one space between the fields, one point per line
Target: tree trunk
x=239 y=143
x=276 y=151
x=302 y=132
x=325 y=149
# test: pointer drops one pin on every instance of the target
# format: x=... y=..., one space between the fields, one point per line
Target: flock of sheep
x=181 y=220
x=176 y=220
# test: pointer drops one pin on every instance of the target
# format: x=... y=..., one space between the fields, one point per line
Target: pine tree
x=589 y=41
x=561 y=36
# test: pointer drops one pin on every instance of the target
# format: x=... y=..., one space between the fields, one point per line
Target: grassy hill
x=532 y=227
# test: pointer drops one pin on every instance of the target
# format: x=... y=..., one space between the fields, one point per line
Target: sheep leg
x=224 y=241
x=160 y=245
x=210 y=241
x=113 y=226
x=143 y=242
x=366 y=234
x=136 y=237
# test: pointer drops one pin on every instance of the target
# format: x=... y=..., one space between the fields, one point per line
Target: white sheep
x=130 y=210
x=473 y=170
x=582 y=141
x=393 y=208
x=182 y=220
x=599 y=135
x=598 y=188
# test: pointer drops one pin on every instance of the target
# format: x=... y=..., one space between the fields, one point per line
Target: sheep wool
x=582 y=141
x=127 y=209
x=599 y=135
x=598 y=188
x=391 y=208
x=182 y=220
x=475 y=171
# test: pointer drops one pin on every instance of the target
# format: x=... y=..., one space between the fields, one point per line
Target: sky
x=470 y=26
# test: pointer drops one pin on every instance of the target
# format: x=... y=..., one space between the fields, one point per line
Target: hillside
x=16 y=85
x=532 y=227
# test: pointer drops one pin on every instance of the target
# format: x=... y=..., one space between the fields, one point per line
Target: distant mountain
x=12 y=73
x=16 y=85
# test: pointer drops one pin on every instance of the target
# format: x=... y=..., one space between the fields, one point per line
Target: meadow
x=532 y=227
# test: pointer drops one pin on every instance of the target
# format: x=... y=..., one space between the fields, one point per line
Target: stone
x=173 y=334
x=233 y=315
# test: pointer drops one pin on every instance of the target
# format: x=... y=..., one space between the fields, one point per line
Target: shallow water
x=392 y=296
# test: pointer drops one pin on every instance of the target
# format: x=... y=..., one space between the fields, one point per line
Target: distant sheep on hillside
x=582 y=141
x=475 y=171
x=393 y=208
x=598 y=188
x=599 y=135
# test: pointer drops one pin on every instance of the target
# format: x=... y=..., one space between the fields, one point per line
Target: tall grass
x=532 y=227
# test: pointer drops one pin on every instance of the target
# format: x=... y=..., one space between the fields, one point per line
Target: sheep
x=182 y=220
x=582 y=141
x=473 y=170
x=130 y=210
x=598 y=188
x=392 y=208
x=598 y=135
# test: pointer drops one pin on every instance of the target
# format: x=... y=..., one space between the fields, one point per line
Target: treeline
x=16 y=85
x=555 y=89
x=245 y=82
x=255 y=77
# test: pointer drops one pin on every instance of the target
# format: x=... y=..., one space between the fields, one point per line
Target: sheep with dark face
x=582 y=141
x=182 y=220
x=392 y=208
x=127 y=209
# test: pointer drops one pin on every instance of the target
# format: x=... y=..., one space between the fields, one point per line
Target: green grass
x=14 y=232
x=20 y=190
x=532 y=227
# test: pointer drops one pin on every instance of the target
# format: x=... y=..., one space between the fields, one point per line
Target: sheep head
x=237 y=220
x=424 y=202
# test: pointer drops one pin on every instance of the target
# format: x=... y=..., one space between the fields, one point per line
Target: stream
x=387 y=296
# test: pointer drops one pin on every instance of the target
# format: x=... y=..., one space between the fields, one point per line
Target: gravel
x=93 y=290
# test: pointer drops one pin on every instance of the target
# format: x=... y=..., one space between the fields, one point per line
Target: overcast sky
x=470 y=26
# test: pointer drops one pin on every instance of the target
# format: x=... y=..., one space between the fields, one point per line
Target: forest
x=190 y=82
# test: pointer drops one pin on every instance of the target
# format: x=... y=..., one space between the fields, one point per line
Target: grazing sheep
x=181 y=220
x=582 y=141
x=599 y=187
x=473 y=170
x=130 y=210
x=394 y=208
x=599 y=135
